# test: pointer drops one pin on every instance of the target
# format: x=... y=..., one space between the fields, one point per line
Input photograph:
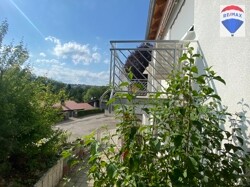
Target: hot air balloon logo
x=233 y=19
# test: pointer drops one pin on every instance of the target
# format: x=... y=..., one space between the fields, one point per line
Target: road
x=78 y=127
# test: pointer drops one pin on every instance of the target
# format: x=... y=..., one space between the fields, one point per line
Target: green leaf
x=200 y=80
x=215 y=96
x=208 y=68
x=112 y=100
x=185 y=173
x=190 y=50
x=218 y=78
x=182 y=111
x=93 y=148
x=196 y=55
x=157 y=145
x=129 y=97
x=124 y=84
x=66 y=154
x=130 y=75
x=178 y=140
x=103 y=163
x=193 y=164
x=183 y=58
x=157 y=95
x=208 y=90
x=191 y=60
x=237 y=148
x=143 y=128
x=193 y=161
x=92 y=159
x=198 y=125
x=146 y=110
x=228 y=147
x=133 y=131
x=139 y=85
x=240 y=140
x=194 y=92
x=228 y=134
x=194 y=69
x=111 y=170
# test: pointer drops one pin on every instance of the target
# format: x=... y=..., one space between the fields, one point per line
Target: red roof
x=72 y=105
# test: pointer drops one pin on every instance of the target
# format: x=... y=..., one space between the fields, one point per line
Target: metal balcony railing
x=144 y=65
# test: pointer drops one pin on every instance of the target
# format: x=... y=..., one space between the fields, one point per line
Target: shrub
x=88 y=112
x=28 y=142
x=182 y=146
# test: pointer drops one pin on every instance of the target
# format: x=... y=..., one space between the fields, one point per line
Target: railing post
x=112 y=73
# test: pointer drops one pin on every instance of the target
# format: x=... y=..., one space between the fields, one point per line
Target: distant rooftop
x=72 y=105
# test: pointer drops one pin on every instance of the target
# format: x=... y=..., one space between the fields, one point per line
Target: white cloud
x=80 y=58
x=58 y=67
x=67 y=75
x=42 y=54
x=53 y=39
x=96 y=57
x=78 y=53
x=49 y=62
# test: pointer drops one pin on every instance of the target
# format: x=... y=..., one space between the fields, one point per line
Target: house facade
x=226 y=52
x=218 y=30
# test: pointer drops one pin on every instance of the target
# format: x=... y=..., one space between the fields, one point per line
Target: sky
x=69 y=40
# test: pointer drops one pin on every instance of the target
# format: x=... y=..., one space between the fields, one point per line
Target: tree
x=28 y=141
x=76 y=94
x=138 y=61
x=184 y=145
x=10 y=55
x=94 y=92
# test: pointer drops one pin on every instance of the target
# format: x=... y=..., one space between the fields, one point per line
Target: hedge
x=88 y=112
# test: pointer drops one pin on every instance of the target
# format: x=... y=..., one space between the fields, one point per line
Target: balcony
x=145 y=65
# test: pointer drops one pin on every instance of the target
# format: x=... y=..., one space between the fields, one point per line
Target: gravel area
x=79 y=127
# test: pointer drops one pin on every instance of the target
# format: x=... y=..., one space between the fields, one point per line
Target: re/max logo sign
x=232 y=14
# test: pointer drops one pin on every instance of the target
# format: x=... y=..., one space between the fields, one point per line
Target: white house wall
x=229 y=56
x=182 y=20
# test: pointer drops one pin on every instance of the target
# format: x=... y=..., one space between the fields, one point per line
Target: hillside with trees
x=76 y=92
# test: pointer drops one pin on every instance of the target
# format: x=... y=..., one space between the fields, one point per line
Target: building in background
x=71 y=108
